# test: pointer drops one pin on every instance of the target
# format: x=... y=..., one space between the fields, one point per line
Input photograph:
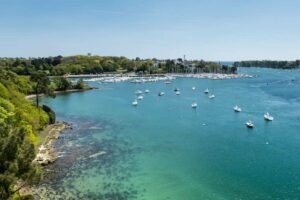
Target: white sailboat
x=161 y=94
x=147 y=91
x=138 y=92
x=135 y=103
x=249 y=124
x=211 y=96
x=140 y=97
x=236 y=108
x=206 y=91
x=194 y=105
x=177 y=92
x=268 y=117
x=193 y=88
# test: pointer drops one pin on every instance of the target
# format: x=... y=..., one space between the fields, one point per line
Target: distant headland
x=269 y=64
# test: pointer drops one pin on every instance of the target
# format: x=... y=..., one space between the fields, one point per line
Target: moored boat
x=249 y=124
x=211 y=96
x=138 y=92
x=268 y=117
x=161 y=94
x=135 y=103
x=194 y=105
x=236 y=108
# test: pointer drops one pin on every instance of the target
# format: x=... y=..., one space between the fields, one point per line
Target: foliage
x=61 y=83
x=41 y=84
x=20 y=121
x=79 y=85
x=51 y=114
x=79 y=64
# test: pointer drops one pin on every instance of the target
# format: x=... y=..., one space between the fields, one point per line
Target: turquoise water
x=163 y=149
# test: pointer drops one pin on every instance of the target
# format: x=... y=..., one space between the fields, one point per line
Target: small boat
x=268 y=117
x=161 y=94
x=176 y=89
x=194 y=105
x=177 y=93
x=138 y=92
x=168 y=82
x=136 y=81
x=140 y=97
x=147 y=91
x=237 y=108
x=249 y=124
x=211 y=96
x=206 y=91
x=135 y=103
x=193 y=88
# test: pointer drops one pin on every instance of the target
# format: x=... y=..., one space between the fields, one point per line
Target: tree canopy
x=20 y=122
x=59 y=65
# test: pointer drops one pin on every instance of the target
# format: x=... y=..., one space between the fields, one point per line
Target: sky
x=216 y=30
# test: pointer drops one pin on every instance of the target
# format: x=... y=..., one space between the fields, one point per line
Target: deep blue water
x=164 y=149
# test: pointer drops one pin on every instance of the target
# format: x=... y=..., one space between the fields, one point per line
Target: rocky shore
x=46 y=151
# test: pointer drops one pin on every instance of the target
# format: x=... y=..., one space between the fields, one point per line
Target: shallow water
x=164 y=149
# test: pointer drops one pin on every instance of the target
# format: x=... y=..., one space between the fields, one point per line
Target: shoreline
x=46 y=153
x=32 y=96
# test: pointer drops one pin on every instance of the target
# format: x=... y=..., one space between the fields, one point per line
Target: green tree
x=41 y=83
x=62 y=83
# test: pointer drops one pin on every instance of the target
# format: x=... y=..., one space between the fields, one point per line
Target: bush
x=51 y=114
x=79 y=85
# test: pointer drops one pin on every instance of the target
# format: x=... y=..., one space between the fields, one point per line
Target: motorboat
x=211 y=96
x=193 y=88
x=236 y=108
x=176 y=89
x=268 y=117
x=249 y=124
x=140 y=97
x=177 y=92
x=194 y=105
x=147 y=91
x=135 y=103
x=161 y=94
x=168 y=82
x=206 y=91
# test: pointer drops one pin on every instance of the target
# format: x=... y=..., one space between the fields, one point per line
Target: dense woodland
x=20 y=122
x=269 y=64
x=80 y=64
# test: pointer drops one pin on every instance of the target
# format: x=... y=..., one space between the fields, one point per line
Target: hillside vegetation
x=20 y=122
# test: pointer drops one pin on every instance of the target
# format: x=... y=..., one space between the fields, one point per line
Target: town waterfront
x=164 y=149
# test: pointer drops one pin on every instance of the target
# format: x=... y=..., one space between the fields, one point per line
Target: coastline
x=32 y=96
x=46 y=153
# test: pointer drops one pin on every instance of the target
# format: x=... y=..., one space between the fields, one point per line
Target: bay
x=164 y=149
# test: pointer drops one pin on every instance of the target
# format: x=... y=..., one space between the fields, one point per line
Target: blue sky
x=211 y=30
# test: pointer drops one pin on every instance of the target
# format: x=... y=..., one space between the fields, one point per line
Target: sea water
x=164 y=149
